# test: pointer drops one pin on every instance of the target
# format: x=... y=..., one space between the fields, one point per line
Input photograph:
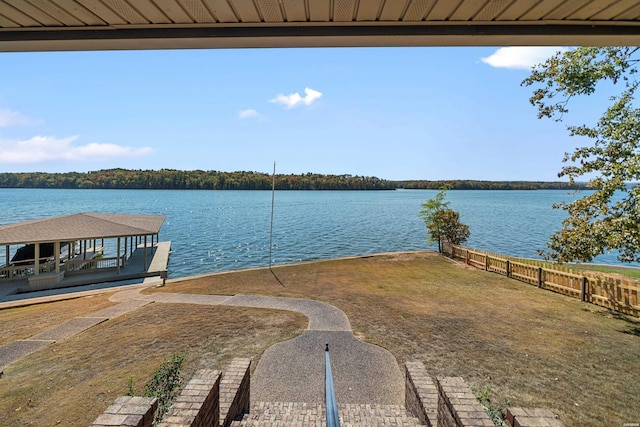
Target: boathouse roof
x=79 y=227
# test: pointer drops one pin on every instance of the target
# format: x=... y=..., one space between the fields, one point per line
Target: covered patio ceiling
x=60 y=25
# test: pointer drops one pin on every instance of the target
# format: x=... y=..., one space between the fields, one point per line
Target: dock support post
x=56 y=253
x=37 y=258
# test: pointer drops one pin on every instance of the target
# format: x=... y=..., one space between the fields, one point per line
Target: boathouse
x=43 y=252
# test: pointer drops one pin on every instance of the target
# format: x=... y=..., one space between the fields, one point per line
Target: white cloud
x=13 y=118
x=521 y=57
x=295 y=100
x=246 y=114
x=48 y=148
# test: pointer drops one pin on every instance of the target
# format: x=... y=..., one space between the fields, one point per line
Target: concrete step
x=289 y=414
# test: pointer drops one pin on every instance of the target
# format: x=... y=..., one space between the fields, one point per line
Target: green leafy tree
x=452 y=230
x=443 y=224
x=430 y=214
x=609 y=218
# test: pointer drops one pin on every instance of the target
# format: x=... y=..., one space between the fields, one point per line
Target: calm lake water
x=226 y=230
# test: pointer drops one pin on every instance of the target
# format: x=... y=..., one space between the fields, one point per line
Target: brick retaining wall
x=532 y=417
x=198 y=404
x=447 y=403
x=214 y=399
x=208 y=399
x=235 y=391
x=457 y=405
x=128 y=411
x=421 y=394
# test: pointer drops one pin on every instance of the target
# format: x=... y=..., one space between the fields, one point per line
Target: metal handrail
x=333 y=419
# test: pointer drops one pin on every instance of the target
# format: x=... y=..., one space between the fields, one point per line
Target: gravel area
x=293 y=371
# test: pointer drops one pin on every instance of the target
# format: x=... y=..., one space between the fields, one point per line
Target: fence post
x=508 y=268
x=539 y=277
x=583 y=289
x=467 y=259
x=486 y=262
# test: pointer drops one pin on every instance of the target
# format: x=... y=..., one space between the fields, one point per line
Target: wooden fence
x=601 y=289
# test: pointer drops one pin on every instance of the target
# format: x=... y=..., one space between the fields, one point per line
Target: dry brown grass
x=530 y=346
x=23 y=322
x=71 y=382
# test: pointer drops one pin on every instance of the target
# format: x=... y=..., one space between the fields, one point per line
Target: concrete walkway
x=290 y=371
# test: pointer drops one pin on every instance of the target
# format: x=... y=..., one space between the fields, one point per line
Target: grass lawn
x=26 y=321
x=629 y=272
x=508 y=339
x=71 y=382
x=511 y=340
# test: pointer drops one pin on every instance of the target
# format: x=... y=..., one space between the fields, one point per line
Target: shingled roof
x=81 y=226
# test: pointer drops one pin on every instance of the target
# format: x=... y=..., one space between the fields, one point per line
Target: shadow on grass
x=276 y=277
x=632 y=324
x=632 y=331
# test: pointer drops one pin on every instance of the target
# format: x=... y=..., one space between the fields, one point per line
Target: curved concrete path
x=293 y=371
x=290 y=371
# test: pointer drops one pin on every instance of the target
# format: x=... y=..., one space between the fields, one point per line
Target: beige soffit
x=79 y=227
x=47 y=25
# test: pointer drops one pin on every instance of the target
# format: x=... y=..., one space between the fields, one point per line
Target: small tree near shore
x=443 y=224
x=453 y=231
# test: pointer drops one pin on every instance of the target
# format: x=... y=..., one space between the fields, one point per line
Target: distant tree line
x=172 y=179
x=489 y=185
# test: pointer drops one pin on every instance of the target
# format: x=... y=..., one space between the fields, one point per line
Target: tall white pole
x=273 y=194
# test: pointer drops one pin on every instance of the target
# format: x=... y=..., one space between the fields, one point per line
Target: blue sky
x=395 y=113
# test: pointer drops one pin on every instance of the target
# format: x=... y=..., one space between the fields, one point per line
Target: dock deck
x=135 y=269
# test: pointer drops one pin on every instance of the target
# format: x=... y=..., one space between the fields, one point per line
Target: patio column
x=56 y=252
x=118 y=255
x=6 y=250
x=36 y=255
x=145 y=252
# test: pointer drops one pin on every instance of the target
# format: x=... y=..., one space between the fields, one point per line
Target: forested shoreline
x=171 y=179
